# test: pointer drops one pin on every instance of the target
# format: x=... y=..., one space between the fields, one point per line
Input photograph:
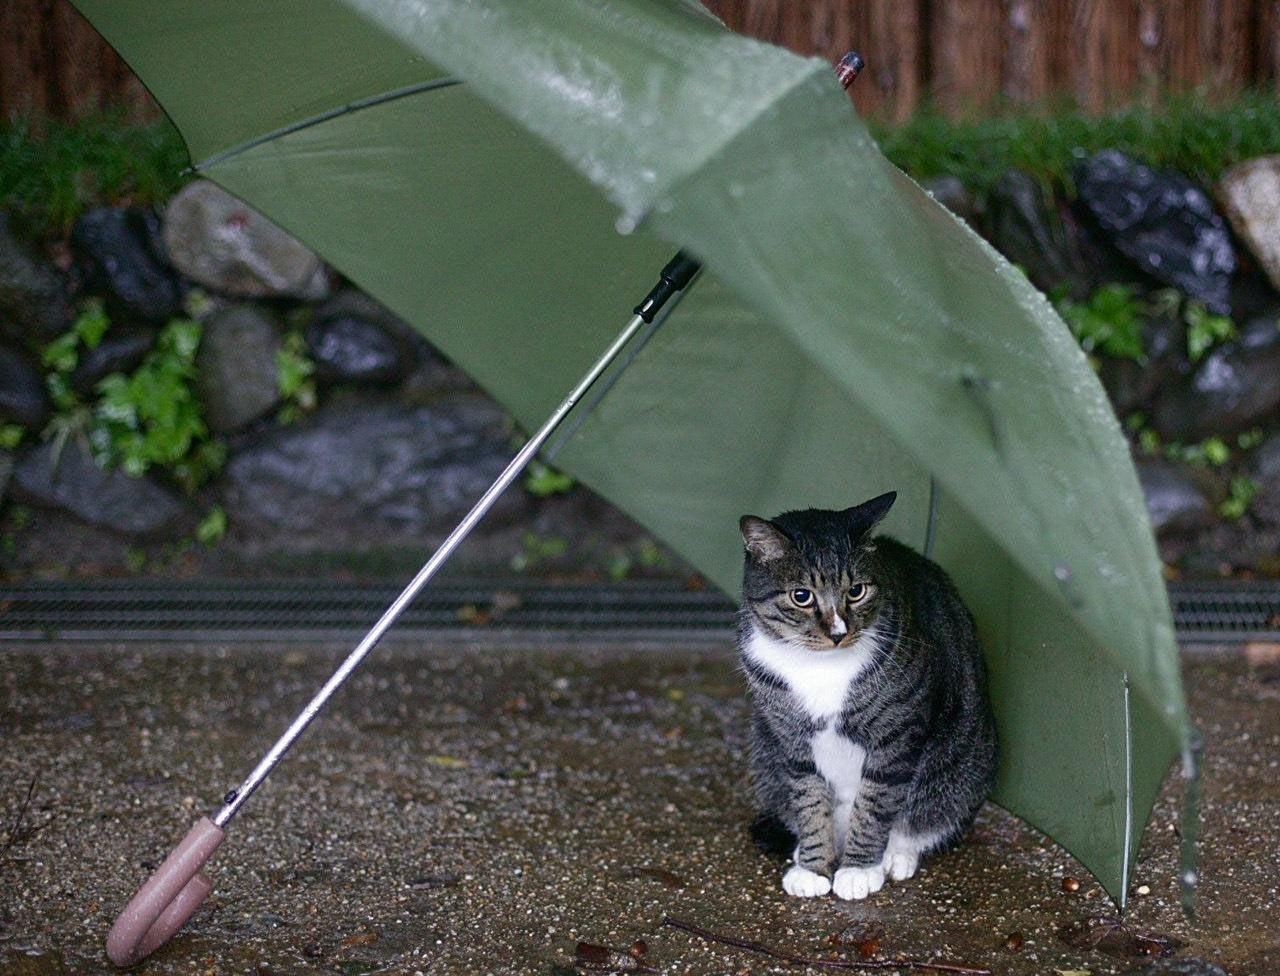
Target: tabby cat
x=872 y=736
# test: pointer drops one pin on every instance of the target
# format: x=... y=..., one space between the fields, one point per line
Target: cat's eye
x=859 y=592
x=802 y=598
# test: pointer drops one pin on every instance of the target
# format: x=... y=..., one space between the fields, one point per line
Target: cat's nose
x=837 y=628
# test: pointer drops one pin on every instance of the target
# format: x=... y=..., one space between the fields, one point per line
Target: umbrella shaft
x=236 y=798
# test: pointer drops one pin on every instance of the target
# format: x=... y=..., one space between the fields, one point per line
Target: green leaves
x=150 y=418
x=1109 y=323
x=1205 y=330
x=294 y=370
x=153 y=416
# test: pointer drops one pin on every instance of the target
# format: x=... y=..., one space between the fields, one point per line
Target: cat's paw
x=900 y=861
x=804 y=883
x=853 y=884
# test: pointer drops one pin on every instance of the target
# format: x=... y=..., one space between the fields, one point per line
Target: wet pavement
x=466 y=810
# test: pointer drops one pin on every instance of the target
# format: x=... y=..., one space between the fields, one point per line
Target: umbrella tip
x=848 y=67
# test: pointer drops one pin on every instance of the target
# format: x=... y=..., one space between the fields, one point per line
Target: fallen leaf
x=448 y=762
x=359 y=939
x=1110 y=936
x=1073 y=972
x=668 y=878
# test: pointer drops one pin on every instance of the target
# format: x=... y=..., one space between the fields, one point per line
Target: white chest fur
x=819 y=679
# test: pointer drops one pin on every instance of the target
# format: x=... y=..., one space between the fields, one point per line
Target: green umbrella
x=509 y=176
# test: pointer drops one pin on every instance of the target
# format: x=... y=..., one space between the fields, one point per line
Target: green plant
x=1250 y=439
x=541 y=480
x=10 y=436
x=536 y=550
x=153 y=416
x=1205 y=330
x=147 y=419
x=52 y=172
x=295 y=378
x=1109 y=323
x=1210 y=452
x=212 y=527
x=1189 y=133
x=1240 y=494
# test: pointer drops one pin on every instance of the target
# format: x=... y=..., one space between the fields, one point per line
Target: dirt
x=461 y=810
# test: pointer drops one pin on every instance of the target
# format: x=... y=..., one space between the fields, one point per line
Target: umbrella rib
x=1128 y=794
x=360 y=103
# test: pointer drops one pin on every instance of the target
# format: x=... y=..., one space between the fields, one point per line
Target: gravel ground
x=463 y=810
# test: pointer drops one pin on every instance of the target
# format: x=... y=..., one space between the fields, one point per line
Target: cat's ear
x=863 y=518
x=763 y=539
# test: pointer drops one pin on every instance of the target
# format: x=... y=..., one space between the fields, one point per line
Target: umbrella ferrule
x=677 y=273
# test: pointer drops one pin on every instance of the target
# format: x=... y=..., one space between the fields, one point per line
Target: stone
x=237 y=375
x=357 y=473
x=1236 y=386
x=117 y=249
x=70 y=479
x=1250 y=194
x=1162 y=222
x=33 y=299
x=1024 y=228
x=120 y=351
x=6 y=470
x=354 y=339
x=1265 y=470
x=951 y=192
x=1179 y=967
x=1175 y=502
x=23 y=397
x=225 y=245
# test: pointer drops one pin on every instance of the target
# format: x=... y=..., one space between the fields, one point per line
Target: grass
x=49 y=178
x=1184 y=133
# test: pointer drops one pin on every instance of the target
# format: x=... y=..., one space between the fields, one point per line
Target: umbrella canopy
x=509 y=177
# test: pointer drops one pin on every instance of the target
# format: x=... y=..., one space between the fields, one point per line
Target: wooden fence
x=960 y=55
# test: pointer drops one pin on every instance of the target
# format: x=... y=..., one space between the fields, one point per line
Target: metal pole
x=667 y=288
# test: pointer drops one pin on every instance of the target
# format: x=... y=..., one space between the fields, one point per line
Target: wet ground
x=469 y=811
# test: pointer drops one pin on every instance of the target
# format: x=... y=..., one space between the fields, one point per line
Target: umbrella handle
x=167 y=899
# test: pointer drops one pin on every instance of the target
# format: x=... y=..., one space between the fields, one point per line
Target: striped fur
x=872 y=737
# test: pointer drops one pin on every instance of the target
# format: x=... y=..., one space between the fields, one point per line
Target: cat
x=872 y=738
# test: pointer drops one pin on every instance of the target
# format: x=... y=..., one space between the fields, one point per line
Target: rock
x=118 y=251
x=1179 y=967
x=1024 y=228
x=73 y=481
x=1250 y=195
x=1174 y=501
x=354 y=339
x=33 y=301
x=951 y=192
x=1265 y=470
x=237 y=373
x=23 y=397
x=224 y=244
x=1162 y=222
x=120 y=351
x=357 y=473
x=1266 y=460
x=6 y=469
x=434 y=378
x=1236 y=386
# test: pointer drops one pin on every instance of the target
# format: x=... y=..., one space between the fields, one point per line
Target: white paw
x=804 y=883
x=856 y=883
x=900 y=863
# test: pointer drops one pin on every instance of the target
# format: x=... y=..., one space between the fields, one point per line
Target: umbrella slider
x=677 y=273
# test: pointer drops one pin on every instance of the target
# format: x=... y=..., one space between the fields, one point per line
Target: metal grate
x=480 y=610
x=476 y=610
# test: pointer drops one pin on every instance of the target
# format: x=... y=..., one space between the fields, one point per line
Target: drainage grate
x=474 y=610
x=507 y=611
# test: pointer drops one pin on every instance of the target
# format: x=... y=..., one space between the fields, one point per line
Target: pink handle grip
x=167 y=899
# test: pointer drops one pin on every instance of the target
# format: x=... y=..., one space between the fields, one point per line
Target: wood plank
x=966 y=54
